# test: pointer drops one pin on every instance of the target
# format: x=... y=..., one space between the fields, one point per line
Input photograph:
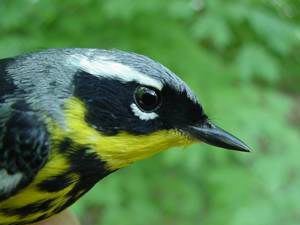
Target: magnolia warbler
x=69 y=117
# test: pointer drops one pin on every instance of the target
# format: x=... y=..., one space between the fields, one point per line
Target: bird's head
x=133 y=107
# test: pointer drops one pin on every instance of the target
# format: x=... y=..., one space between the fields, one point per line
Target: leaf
x=253 y=61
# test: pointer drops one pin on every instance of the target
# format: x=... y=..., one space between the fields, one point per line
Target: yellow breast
x=111 y=152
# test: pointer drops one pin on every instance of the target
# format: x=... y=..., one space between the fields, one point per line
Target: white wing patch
x=105 y=67
x=142 y=115
x=9 y=182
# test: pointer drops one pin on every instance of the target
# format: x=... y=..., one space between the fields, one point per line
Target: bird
x=69 y=117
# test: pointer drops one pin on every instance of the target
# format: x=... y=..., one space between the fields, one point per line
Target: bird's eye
x=147 y=99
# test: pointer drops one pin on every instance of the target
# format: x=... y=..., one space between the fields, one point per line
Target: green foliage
x=241 y=57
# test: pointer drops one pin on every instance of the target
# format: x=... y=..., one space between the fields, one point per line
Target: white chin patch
x=104 y=67
x=9 y=182
x=142 y=115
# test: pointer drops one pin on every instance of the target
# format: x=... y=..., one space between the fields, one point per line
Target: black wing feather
x=24 y=141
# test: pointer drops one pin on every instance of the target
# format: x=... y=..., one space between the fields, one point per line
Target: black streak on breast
x=40 y=206
x=56 y=183
x=84 y=164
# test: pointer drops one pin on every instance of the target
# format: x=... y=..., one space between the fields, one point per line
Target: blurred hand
x=63 y=218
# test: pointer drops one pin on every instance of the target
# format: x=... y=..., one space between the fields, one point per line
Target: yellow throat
x=117 y=150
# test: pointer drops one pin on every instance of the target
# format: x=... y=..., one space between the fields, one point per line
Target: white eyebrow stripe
x=103 y=67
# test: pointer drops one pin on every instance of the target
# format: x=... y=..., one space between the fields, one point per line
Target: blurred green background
x=243 y=60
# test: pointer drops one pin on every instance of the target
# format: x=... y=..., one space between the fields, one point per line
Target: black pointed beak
x=211 y=134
